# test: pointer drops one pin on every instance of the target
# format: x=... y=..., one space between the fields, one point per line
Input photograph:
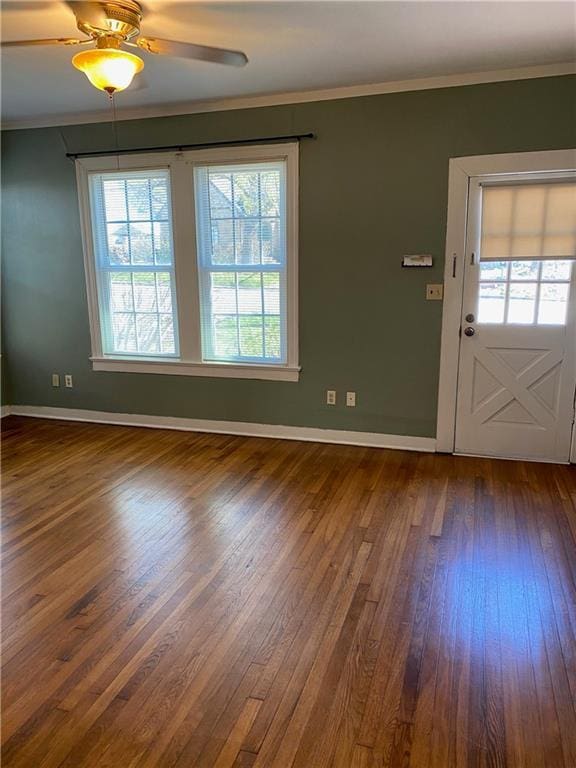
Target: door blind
x=528 y=222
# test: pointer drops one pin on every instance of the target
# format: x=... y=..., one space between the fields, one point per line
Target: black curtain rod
x=183 y=147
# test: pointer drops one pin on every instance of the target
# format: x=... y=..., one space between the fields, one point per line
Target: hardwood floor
x=175 y=599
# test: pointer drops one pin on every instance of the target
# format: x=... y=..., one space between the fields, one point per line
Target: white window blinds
x=132 y=233
x=241 y=238
x=528 y=221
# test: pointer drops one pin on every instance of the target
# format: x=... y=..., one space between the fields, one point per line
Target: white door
x=517 y=368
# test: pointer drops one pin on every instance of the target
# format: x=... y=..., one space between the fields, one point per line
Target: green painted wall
x=372 y=187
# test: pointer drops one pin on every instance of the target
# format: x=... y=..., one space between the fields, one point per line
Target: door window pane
x=556 y=270
x=522 y=303
x=524 y=292
x=493 y=270
x=491 y=302
x=553 y=303
x=524 y=270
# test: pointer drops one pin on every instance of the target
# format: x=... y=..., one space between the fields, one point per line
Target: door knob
x=469 y=331
x=470 y=318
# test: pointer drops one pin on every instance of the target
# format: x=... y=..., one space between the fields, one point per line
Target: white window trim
x=462 y=170
x=190 y=362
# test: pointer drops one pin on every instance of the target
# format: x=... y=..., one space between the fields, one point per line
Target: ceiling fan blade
x=139 y=84
x=25 y=6
x=192 y=51
x=46 y=41
x=90 y=13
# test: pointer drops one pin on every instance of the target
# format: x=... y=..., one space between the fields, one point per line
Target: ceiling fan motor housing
x=123 y=19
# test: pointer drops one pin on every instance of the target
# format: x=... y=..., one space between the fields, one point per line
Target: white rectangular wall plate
x=417 y=260
x=68 y=380
x=331 y=397
x=55 y=380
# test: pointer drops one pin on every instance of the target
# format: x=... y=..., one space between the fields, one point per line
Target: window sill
x=181 y=368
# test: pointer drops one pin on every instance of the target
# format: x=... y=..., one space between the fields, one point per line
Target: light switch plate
x=434 y=292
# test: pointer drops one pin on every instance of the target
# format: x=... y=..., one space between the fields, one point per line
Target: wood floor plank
x=173 y=600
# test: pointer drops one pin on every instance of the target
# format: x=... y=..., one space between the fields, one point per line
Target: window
x=528 y=242
x=134 y=262
x=191 y=261
x=524 y=292
x=242 y=261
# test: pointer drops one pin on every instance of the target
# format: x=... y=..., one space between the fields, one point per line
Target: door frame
x=460 y=171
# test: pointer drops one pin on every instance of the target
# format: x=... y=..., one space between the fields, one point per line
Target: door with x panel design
x=517 y=369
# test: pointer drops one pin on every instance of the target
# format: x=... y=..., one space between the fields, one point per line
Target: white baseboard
x=5 y=410
x=309 y=434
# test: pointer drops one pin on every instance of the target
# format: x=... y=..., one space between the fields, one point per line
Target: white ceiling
x=292 y=46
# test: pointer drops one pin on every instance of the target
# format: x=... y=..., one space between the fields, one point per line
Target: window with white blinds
x=191 y=261
x=241 y=234
x=132 y=230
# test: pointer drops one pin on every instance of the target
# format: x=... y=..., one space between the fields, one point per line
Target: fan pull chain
x=115 y=129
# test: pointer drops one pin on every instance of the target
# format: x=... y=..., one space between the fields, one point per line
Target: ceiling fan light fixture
x=111 y=24
x=108 y=69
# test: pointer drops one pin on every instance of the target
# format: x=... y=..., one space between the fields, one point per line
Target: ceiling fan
x=111 y=25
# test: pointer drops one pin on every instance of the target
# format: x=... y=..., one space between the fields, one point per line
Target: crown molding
x=299 y=97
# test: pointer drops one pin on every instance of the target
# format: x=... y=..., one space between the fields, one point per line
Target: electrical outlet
x=330 y=397
x=55 y=380
x=434 y=292
x=351 y=399
x=68 y=380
